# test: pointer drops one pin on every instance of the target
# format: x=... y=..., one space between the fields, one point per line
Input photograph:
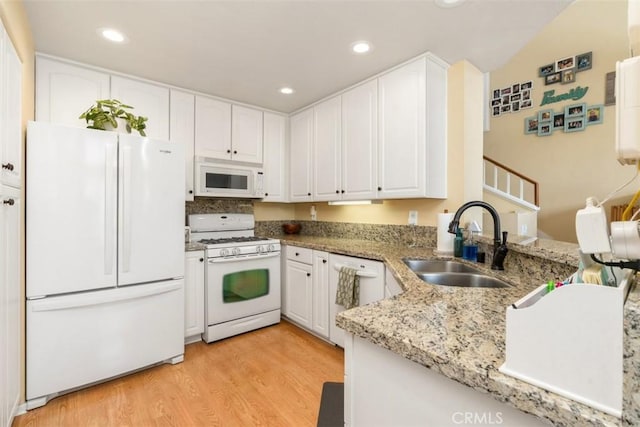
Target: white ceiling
x=247 y=50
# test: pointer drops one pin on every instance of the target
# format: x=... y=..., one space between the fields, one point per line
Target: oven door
x=241 y=287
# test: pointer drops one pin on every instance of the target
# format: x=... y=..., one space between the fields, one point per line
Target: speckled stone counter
x=460 y=332
x=194 y=246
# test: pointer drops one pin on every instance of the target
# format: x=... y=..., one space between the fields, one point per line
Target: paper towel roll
x=445 y=239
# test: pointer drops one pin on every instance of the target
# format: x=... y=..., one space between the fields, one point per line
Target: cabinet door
x=300 y=156
x=275 y=158
x=327 y=180
x=401 y=107
x=299 y=293
x=321 y=293
x=11 y=124
x=181 y=131
x=360 y=142
x=148 y=100
x=10 y=302
x=194 y=294
x=246 y=134
x=64 y=91
x=213 y=128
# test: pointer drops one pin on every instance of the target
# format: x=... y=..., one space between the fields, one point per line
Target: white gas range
x=242 y=276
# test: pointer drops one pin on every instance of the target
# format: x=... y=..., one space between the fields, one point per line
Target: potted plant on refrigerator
x=105 y=115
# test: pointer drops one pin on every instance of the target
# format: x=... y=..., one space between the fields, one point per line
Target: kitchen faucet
x=499 y=247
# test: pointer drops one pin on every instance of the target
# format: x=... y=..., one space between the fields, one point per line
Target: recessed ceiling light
x=360 y=47
x=286 y=90
x=112 y=35
x=449 y=3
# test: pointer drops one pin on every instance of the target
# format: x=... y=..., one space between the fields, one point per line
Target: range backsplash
x=207 y=205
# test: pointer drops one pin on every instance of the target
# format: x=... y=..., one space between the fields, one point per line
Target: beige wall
x=464 y=150
x=568 y=166
x=14 y=19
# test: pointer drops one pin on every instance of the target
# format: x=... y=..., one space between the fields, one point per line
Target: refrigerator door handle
x=126 y=207
x=110 y=213
x=104 y=297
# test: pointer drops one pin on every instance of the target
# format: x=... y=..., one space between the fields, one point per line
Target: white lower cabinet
x=194 y=295
x=10 y=327
x=382 y=388
x=306 y=289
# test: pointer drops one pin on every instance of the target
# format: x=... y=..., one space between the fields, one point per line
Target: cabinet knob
x=342 y=191
x=324 y=261
x=379 y=188
x=228 y=151
x=266 y=194
x=201 y=259
x=337 y=192
x=9 y=202
x=235 y=151
x=308 y=274
x=297 y=254
x=7 y=166
x=190 y=191
x=308 y=194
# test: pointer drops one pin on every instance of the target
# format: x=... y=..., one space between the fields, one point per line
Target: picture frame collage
x=511 y=99
x=573 y=118
x=564 y=70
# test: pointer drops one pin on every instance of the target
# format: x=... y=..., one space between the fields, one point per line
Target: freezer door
x=71 y=209
x=75 y=340
x=151 y=210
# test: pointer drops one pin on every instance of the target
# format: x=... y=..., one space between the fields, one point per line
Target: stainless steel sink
x=465 y=280
x=438 y=266
x=452 y=273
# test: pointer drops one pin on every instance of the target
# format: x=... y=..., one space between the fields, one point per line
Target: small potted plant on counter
x=105 y=115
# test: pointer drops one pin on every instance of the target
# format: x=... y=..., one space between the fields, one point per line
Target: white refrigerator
x=104 y=256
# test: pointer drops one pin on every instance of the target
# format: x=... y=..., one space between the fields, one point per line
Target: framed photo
x=505 y=108
x=558 y=121
x=515 y=106
x=568 y=76
x=496 y=111
x=584 y=61
x=526 y=85
x=531 y=125
x=594 y=114
x=545 y=115
x=545 y=70
x=574 y=110
x=515 y=88
x=525 y=104
x=574 y=124
x=506 y=91
x=506 y=99
x=545 y=129
x=526 y=94
x=552 y=78
x=496 y=93
x=516 y=97
x=495 y=102
x=565 y=63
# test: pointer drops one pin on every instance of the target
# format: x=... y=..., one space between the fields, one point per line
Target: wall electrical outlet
x=413 y=217
x=314 y=213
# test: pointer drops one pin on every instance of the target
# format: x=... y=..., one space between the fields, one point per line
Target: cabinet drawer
x=300 y=254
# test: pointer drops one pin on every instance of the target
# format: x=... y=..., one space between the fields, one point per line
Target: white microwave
x=241 y=182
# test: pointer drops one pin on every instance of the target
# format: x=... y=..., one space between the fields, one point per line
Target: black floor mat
x=331 y=412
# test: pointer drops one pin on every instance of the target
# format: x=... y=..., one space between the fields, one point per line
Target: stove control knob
x=260 y=249
x=224 y=252
x=236 y=251
x=272 y=248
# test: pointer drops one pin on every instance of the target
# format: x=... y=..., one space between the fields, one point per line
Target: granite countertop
x=459 y=332
x=194 y=246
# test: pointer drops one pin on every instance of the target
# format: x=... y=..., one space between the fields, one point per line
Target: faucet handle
x=504 y=237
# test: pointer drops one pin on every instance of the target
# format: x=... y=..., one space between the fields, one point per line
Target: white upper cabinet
x=327 y=178
x=412 y=138
x=246 y=134
x=65 y=91
x=300 y=163
x=11 y=115
x=360 y=142
x=228 y=132
x=181 y=131
x=213 y=128
x=275 y=156
x=148 y=100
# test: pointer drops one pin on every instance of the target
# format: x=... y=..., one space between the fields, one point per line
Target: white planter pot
x=122 y=126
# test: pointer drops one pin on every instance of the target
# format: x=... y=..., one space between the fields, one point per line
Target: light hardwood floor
x=269 y=377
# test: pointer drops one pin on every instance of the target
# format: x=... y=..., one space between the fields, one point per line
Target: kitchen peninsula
x=460 y=332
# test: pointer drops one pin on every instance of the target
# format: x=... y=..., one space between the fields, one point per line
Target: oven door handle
x=251 y=257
